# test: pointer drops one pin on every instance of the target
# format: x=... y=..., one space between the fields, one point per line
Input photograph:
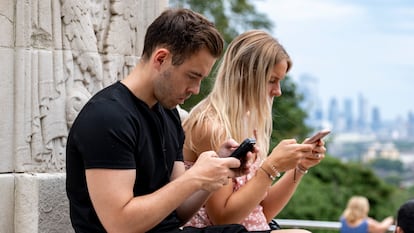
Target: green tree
x=231 y=17
x=391 y=171
x=387 y=164
x=323 y=192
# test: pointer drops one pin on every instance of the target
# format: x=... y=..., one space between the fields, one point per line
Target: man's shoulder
x=173 y=114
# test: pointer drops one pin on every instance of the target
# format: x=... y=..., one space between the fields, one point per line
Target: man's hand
x=228 y=147
x=212 y=171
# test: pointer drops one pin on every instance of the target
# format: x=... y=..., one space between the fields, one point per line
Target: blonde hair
x=356 y=209
x=239 y=101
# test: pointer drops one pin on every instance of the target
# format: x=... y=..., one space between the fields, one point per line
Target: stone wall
x=54 y=55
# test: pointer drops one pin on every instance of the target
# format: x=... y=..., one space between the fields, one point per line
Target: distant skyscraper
x=333 y=113
x=348 y=115
x=311 y=104
x=319 y=114
x=362 y=113
x=376 y=119
x=410 y=124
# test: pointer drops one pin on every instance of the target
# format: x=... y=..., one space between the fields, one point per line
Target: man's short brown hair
x=183 y=32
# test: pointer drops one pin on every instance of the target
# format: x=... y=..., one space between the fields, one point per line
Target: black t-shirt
x=116 y=130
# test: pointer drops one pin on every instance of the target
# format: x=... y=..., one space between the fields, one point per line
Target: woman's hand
x=287 y=154
x=318 y=153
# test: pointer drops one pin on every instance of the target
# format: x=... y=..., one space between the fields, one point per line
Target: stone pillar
x=55 y=54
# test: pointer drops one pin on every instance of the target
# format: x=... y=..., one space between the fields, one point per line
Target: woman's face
x=278 y=74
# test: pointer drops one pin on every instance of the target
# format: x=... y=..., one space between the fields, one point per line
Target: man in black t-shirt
x=125 y=170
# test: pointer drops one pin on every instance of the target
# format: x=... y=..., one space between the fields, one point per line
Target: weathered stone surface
x=53 y=204
x=6 y=23
x=6 y=202
x=7 y=110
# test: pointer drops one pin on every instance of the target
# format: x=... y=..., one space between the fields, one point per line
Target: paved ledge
x=309 y=224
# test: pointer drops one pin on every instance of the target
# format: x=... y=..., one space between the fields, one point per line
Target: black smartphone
x=246 y=146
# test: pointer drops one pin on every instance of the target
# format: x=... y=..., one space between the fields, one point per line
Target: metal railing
x=310 y=224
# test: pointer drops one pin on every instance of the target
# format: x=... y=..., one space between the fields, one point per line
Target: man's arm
x=196 y=201
x=111 y=192
x=192 y=204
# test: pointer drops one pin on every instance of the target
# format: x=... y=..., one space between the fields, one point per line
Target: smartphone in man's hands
x=317 y=136
x=241 y=151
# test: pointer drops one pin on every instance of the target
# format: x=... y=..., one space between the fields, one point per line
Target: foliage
x=325 y=190
x=231 y=17
x=404 y=145
x=387 y=164
x=391 y=171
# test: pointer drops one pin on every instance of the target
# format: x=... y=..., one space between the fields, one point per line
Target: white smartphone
x=317 y=136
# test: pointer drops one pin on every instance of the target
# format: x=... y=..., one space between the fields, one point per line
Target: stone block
x=41 y=204
x=6 y=203
x=7 y=23
x=7 y=109
x=53 y=204
x=26 y=203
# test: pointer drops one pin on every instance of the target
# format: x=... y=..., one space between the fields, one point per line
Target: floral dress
x=255 y=221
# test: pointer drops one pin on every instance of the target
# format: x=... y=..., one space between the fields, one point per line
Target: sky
x=351 y=47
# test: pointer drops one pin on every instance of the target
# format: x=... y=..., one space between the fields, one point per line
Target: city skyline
x=354 y=105
x=351 y=48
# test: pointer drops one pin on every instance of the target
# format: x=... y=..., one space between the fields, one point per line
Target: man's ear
x=160 y=56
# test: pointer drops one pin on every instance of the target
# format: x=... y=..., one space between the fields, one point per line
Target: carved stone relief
x=7 y=22
x=65 y=52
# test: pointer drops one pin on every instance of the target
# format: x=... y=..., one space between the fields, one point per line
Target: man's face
x=175 y=84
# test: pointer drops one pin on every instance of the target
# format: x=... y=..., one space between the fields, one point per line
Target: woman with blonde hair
x=240 y=106
x=355 y=218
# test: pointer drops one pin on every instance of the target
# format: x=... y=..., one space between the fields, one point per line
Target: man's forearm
x=134 y=214
x=190 y=206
